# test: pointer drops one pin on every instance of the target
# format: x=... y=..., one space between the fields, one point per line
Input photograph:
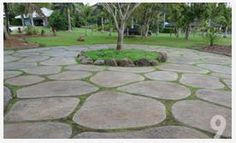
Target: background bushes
x=58 y=20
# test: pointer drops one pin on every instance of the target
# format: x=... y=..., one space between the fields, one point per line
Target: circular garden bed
x=124 y=58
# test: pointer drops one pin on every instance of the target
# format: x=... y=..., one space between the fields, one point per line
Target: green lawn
x=132 y=54
x=70 y=38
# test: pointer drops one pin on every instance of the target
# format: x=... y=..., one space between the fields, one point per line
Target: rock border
x=125 y=62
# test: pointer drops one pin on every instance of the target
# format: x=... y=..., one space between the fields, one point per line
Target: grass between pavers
x=132 y=54
x=170 y=120
x=65 y=38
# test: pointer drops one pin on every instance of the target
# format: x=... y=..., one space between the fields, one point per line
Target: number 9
x=220 y=127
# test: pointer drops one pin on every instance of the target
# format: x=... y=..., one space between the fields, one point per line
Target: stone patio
x=48 y=95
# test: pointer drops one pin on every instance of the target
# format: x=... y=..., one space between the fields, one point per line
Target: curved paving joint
x=51 y=84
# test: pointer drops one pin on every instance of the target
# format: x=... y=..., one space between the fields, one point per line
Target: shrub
x=167 y=30
x=212 y=35
x=43 y=32
x=30 y=30
x=58 y=21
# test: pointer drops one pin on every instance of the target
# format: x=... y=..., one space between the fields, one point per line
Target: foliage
x=131 y=54
x=68 y=9
x=58 y=21
x=30 y=30
x=120 y=13
x=211 y=35
x=167 y=30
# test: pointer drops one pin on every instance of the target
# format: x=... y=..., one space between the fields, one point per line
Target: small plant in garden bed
x=126 y=57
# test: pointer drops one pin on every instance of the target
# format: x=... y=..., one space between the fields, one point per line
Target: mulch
x=18 y=41
x=218 y=49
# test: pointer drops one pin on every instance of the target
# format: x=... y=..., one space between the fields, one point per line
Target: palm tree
x=67 y=8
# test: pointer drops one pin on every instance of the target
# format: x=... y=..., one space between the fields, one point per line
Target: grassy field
x=65 y=38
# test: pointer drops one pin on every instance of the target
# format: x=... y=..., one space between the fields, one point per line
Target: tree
x=192 y=13
x=6 y=21
x=85 y=12
x=176 y=16
x=67 y=8
x=146 y=13
x=224 y=17
x=18 y=9
x=120 y=13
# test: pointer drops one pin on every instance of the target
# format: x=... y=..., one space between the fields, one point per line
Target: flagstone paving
x=215 y=96
x=157 y=132
x=24 y=80
x=37 y=130
x=56 y=88
x=7 y=96
x=114 y=79
x=70 y=75
x=158 y=89
x=43 y=70
x=199 y=114
x=48 y=95
x=162 y=75
x=111 y=110
x=201 y=81
x=10 y=74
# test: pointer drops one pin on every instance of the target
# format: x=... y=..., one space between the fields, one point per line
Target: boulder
x=86 y=61
x=143 y=62
x=81 y=38
x=81 y=57
x=99 y=62
x=162 y=57
x=111 y=62
x=125 y=63
x=154 y=62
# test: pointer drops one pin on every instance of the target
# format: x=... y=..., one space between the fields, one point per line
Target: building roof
x=47 y=12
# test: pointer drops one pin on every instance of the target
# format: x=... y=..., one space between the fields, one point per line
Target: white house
x=38 y=20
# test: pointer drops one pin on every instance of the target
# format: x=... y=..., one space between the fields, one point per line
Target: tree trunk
x=120 y=38
x=6 y=35
x=31 y=19
x=45 y=21
x=187 y=32
x=69 y=19
x=158 y=29
x=102 y=24
x=226 y=32
x=177 y=32
x=22 y=20
x=164 y=21
x=6 y=18
x=132 y=23
x=110 y=31
x=86 y=30
x=146 y=30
